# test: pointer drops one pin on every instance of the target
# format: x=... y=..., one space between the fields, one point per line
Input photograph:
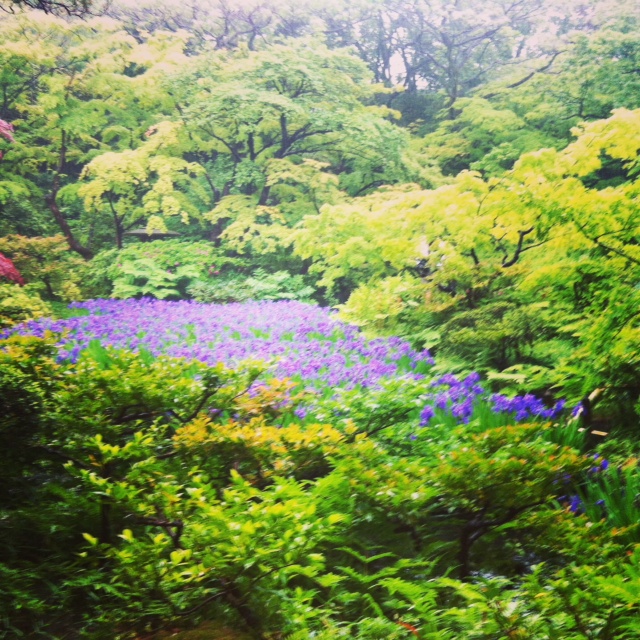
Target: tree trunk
x=51 y=200
x=74 y=245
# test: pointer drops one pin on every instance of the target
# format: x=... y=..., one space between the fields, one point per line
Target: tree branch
x=51 y=200
x=519 y=249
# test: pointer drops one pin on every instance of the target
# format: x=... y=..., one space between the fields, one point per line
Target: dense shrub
x=182 y=492
x=48 y=264
x=161 y=269
x=19 y=304
x=260 y=285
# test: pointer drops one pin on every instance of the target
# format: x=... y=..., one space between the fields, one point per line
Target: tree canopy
x=76 y=8
x=320 y=319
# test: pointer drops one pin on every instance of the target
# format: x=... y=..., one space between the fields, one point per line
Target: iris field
x=298 y=341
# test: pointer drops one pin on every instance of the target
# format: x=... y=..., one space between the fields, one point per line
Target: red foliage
x=8 y=271
x=6 y=131
x=411 y=628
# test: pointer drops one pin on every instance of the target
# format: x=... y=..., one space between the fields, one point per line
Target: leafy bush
x=19 y=304
x=181 y=492
x=47 y=263
x=154 y=470
x=144 y=277
x=496 y=335
x=389 y=306
x=260 y=285
x=161 y=269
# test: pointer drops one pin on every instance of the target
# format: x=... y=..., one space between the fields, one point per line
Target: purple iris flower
x=426 y=414
x=301 y=341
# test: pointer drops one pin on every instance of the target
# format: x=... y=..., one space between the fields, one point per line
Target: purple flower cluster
x=303 y=341
x=454 y=395
x=460 y=398
x=526 y=407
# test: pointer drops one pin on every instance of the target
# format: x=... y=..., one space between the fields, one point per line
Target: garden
x=319 y=321
x=264 y=467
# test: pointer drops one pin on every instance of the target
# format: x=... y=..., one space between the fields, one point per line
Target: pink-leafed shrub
x=8 y=270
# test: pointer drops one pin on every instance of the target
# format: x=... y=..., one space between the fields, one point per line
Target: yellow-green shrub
x=19 y=304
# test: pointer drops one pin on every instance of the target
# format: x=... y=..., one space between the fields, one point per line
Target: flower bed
x=304 y=342
x=301 y=341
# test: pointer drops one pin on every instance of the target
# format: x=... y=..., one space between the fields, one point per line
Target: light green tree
x=516 y=261
x=253 y=131
x=72 y=90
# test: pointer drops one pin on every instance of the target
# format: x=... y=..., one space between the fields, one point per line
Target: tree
x=71 y=90
x=547 y=246
x=483 y=137
x=253 y=130
x=219 y=24
x=586 y=73
x=77 y=8
x=146 y=184
x=449 y=47
x=46 y=263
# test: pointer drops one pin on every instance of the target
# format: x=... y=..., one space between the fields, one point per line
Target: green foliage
x=70 y=99
x=247 y=541
x=150 y=506
x=48 y=263
x=534 y=270
x=612 y=495
x=482 y=137
x=250 y=146
x=497 y=335
x=162 y=269
x=115 y=178
x=19 y=304
x=586 y=81
x=476 y=487
x=145 y=278
x=260 y=285
x=577 y=602
x=387 y=305
x=494 y=220
x=28 y=373
x=167 y=512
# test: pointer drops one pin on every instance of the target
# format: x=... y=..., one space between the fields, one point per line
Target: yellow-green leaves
x=147 y=183
x=617 y=136
x=249 y=225
x=537 y=247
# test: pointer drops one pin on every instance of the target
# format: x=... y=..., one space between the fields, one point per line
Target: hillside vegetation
x=320 y=319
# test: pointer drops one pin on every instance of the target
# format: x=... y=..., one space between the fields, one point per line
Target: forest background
x=463 y=175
